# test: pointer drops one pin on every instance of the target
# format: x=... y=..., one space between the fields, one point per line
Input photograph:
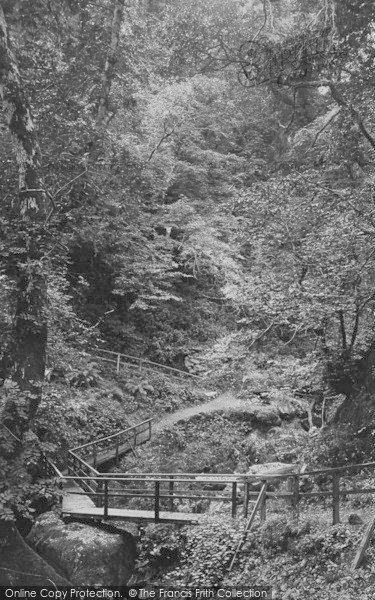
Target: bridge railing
x=141 y=364
x=333 y=484
x=113 y=444
x=197 y=492
x=170 y=493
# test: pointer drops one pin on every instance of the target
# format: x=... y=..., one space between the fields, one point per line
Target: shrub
x=276 y=533
x=327 y=545
x=207 y=553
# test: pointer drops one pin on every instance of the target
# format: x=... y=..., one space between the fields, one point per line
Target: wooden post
x=94 y=455
x=61 y=488
x=149 y=430
x=171 y=487
x=245 y=498
x=98 y=500
x=234 y=499
x=116 y=456
x=295 y=498
x=263 y=503
x=364 y=544
x=157 y=501
x=140 y=366
x=118 y=364
x=290 y=489
x=336 y=499
x=258 y=502
x=106 y=498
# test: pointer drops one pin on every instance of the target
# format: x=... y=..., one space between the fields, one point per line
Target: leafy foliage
x=205 y=563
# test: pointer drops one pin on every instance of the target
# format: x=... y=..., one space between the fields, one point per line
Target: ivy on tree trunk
x=28 y=216
x=104 y=115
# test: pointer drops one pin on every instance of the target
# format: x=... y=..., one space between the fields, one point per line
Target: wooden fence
x=112 y=446
x=141 y=364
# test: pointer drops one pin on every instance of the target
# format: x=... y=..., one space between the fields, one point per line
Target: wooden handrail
x=214 y=478
x=114 y=435
x=143 y=361
x=102 y=476
x=83 y=462
x=327 y=471
x=53 y=466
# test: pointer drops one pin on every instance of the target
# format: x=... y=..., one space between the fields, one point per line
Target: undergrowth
x=299 y=560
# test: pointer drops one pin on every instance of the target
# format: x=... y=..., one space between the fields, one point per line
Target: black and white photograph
x=187 y=299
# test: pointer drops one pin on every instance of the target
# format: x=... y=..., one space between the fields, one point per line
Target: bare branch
x=263 y=24
x=342 y=330
x=329 y=120
x=263 y=333
x=339 y=98
x=166 y=135
x=296 y=330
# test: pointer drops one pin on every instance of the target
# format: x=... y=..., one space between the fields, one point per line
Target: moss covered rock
x=84 y=554
x=266 y=416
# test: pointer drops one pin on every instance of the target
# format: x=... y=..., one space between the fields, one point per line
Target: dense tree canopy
x=172 y=167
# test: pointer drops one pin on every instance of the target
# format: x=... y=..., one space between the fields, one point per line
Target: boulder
x=274 y=468
x=268 y=470
x=118 y=394
x=266 y=416
x=355 y=519
x=84 y=554
x=290 y=409
x=20 y=564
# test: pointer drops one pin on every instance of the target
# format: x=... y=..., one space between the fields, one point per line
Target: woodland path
x=226 y=401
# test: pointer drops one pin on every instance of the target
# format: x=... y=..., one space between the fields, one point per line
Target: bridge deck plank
x=86 y=512
x=75 y=498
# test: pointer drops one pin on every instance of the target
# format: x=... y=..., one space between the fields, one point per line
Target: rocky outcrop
x=273 y=468
x=20 y=564
x=84 y=554
x=264 y=469
x=290 y=409
x=270 y=469
x=266 y=416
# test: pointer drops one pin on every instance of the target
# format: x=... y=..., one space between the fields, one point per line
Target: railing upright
x=262 y=504
x=118 y=363
x=157 y=501
x=99 y=491
x=171 y=490
x=336 y=499
x=234 y=499
x=245 y=499
x=61 y=488
x=295 y=497
x=106 y=498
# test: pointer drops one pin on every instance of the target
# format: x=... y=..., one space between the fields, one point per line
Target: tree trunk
x=104 y=115
x=28 y=212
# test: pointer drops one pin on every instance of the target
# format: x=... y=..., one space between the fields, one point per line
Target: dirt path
x=226 y=401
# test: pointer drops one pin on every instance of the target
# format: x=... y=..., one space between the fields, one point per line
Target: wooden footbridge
x=88 y=492
x=91 y=492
